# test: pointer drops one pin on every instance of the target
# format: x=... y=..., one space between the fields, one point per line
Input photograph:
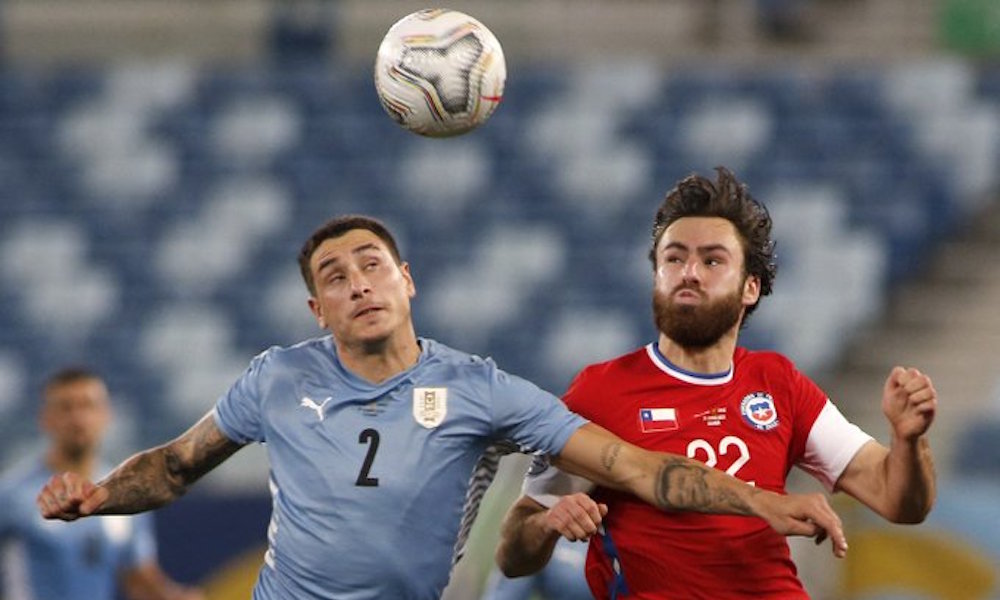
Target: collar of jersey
x=375 y=389
x=673 y=370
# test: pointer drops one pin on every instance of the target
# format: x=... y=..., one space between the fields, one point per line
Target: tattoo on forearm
x=609 y=455
x=160 y=475
x=681 y=486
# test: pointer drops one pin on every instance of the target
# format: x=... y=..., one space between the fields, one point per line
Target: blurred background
x=161 y=162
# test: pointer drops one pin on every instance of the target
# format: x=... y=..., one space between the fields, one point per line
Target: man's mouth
x=366 y=311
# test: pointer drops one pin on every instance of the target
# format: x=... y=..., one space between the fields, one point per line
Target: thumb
x=895 y=378
x=97 y=497
x=603 y=508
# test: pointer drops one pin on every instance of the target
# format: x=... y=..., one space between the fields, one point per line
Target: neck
x=381 y=360
x=59 y=462
x=713 y=359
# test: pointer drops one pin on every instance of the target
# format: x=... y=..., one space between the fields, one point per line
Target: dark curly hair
x=728 y=198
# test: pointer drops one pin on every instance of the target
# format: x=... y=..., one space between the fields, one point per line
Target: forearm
x=145 y=481
x=667 y=481
x=910 y=481
x=160 y=475
x=526 y=542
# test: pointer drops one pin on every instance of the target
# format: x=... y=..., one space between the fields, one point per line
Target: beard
x=696 y=327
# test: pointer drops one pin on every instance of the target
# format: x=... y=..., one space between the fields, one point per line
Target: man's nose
x=359 y=284
x=691 y=270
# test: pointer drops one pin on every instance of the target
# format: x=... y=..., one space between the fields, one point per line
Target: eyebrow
x=707 y=249
x=333 y=259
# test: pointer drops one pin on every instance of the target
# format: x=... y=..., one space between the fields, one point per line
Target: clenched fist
x=909 y=401
x=69 y=496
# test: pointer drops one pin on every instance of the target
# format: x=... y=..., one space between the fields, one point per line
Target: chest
x=340 y=437
x=748 y=430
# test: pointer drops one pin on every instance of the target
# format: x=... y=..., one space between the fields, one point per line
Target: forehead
x=694 y=232
x=77 y=391
x=342 y=247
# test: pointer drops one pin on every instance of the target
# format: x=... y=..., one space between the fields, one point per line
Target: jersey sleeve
x=806 y=403
x=530 y=416
x=238 y=412
x=545 y=484
x=832 y=443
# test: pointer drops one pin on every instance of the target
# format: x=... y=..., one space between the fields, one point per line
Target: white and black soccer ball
x=440 y=72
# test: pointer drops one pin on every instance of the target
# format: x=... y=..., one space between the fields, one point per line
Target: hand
x=69 y=496
x=909 y=401
x=575 y=516
x=808 y=515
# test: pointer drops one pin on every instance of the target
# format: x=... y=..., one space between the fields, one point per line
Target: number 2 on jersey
x=712 y=458
x=368 y=436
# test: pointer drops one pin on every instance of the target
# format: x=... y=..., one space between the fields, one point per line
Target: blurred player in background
x=87 y=560
x=751 y=414
x=561 y=579
x=381 y=443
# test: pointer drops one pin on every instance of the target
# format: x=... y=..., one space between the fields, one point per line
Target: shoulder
x=301 y=352
x=764 y=359
x=441 y=354
x=609 y=369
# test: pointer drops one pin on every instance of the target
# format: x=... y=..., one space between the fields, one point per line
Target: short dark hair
x=69 y=375
x=335 y=228
x=728 y=198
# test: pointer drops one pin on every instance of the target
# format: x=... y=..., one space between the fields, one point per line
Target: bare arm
x=147 y=581
x=145 y=481
x=898 y=482
x=529 y=532
x=671 y=482
x=667 y=481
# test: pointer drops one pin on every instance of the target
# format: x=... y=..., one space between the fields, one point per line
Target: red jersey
x=752 y=422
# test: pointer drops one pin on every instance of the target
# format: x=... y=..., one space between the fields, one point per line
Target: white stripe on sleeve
x=833 y=442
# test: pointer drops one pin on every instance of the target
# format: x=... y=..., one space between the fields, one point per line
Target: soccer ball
x=439 y=72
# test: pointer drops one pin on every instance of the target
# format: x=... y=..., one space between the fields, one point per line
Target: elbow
x=509 y=566
x=913 y=514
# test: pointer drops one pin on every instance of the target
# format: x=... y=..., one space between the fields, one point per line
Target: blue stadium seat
x=826 y=128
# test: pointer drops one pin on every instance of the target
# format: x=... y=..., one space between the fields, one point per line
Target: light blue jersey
x=56 y=560
x=375 y=485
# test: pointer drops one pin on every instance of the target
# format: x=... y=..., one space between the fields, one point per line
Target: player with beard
x=751 y=414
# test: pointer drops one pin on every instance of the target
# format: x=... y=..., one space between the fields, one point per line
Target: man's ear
x=751 y=290
x=411 y=288
x=317 y=311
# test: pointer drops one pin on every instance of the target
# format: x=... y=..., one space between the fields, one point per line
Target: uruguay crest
x=430 y=405
x=759 y=412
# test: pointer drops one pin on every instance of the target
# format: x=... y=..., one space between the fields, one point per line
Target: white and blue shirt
x=55 y=560
x=375 y=486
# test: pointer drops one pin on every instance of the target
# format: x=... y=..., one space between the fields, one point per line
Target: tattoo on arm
x=609 y=455
x=682 y=486
x=160 y=475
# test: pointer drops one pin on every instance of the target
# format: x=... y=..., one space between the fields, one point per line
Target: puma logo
x=311 y=404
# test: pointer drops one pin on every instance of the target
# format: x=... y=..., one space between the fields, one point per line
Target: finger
x=72 y=486
x=829 y=524
x=604 y=509
x=820 y=537
x=94 y=501
x=896 y=377
x=572 y=531
x=918 y=384
x=594 y=515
